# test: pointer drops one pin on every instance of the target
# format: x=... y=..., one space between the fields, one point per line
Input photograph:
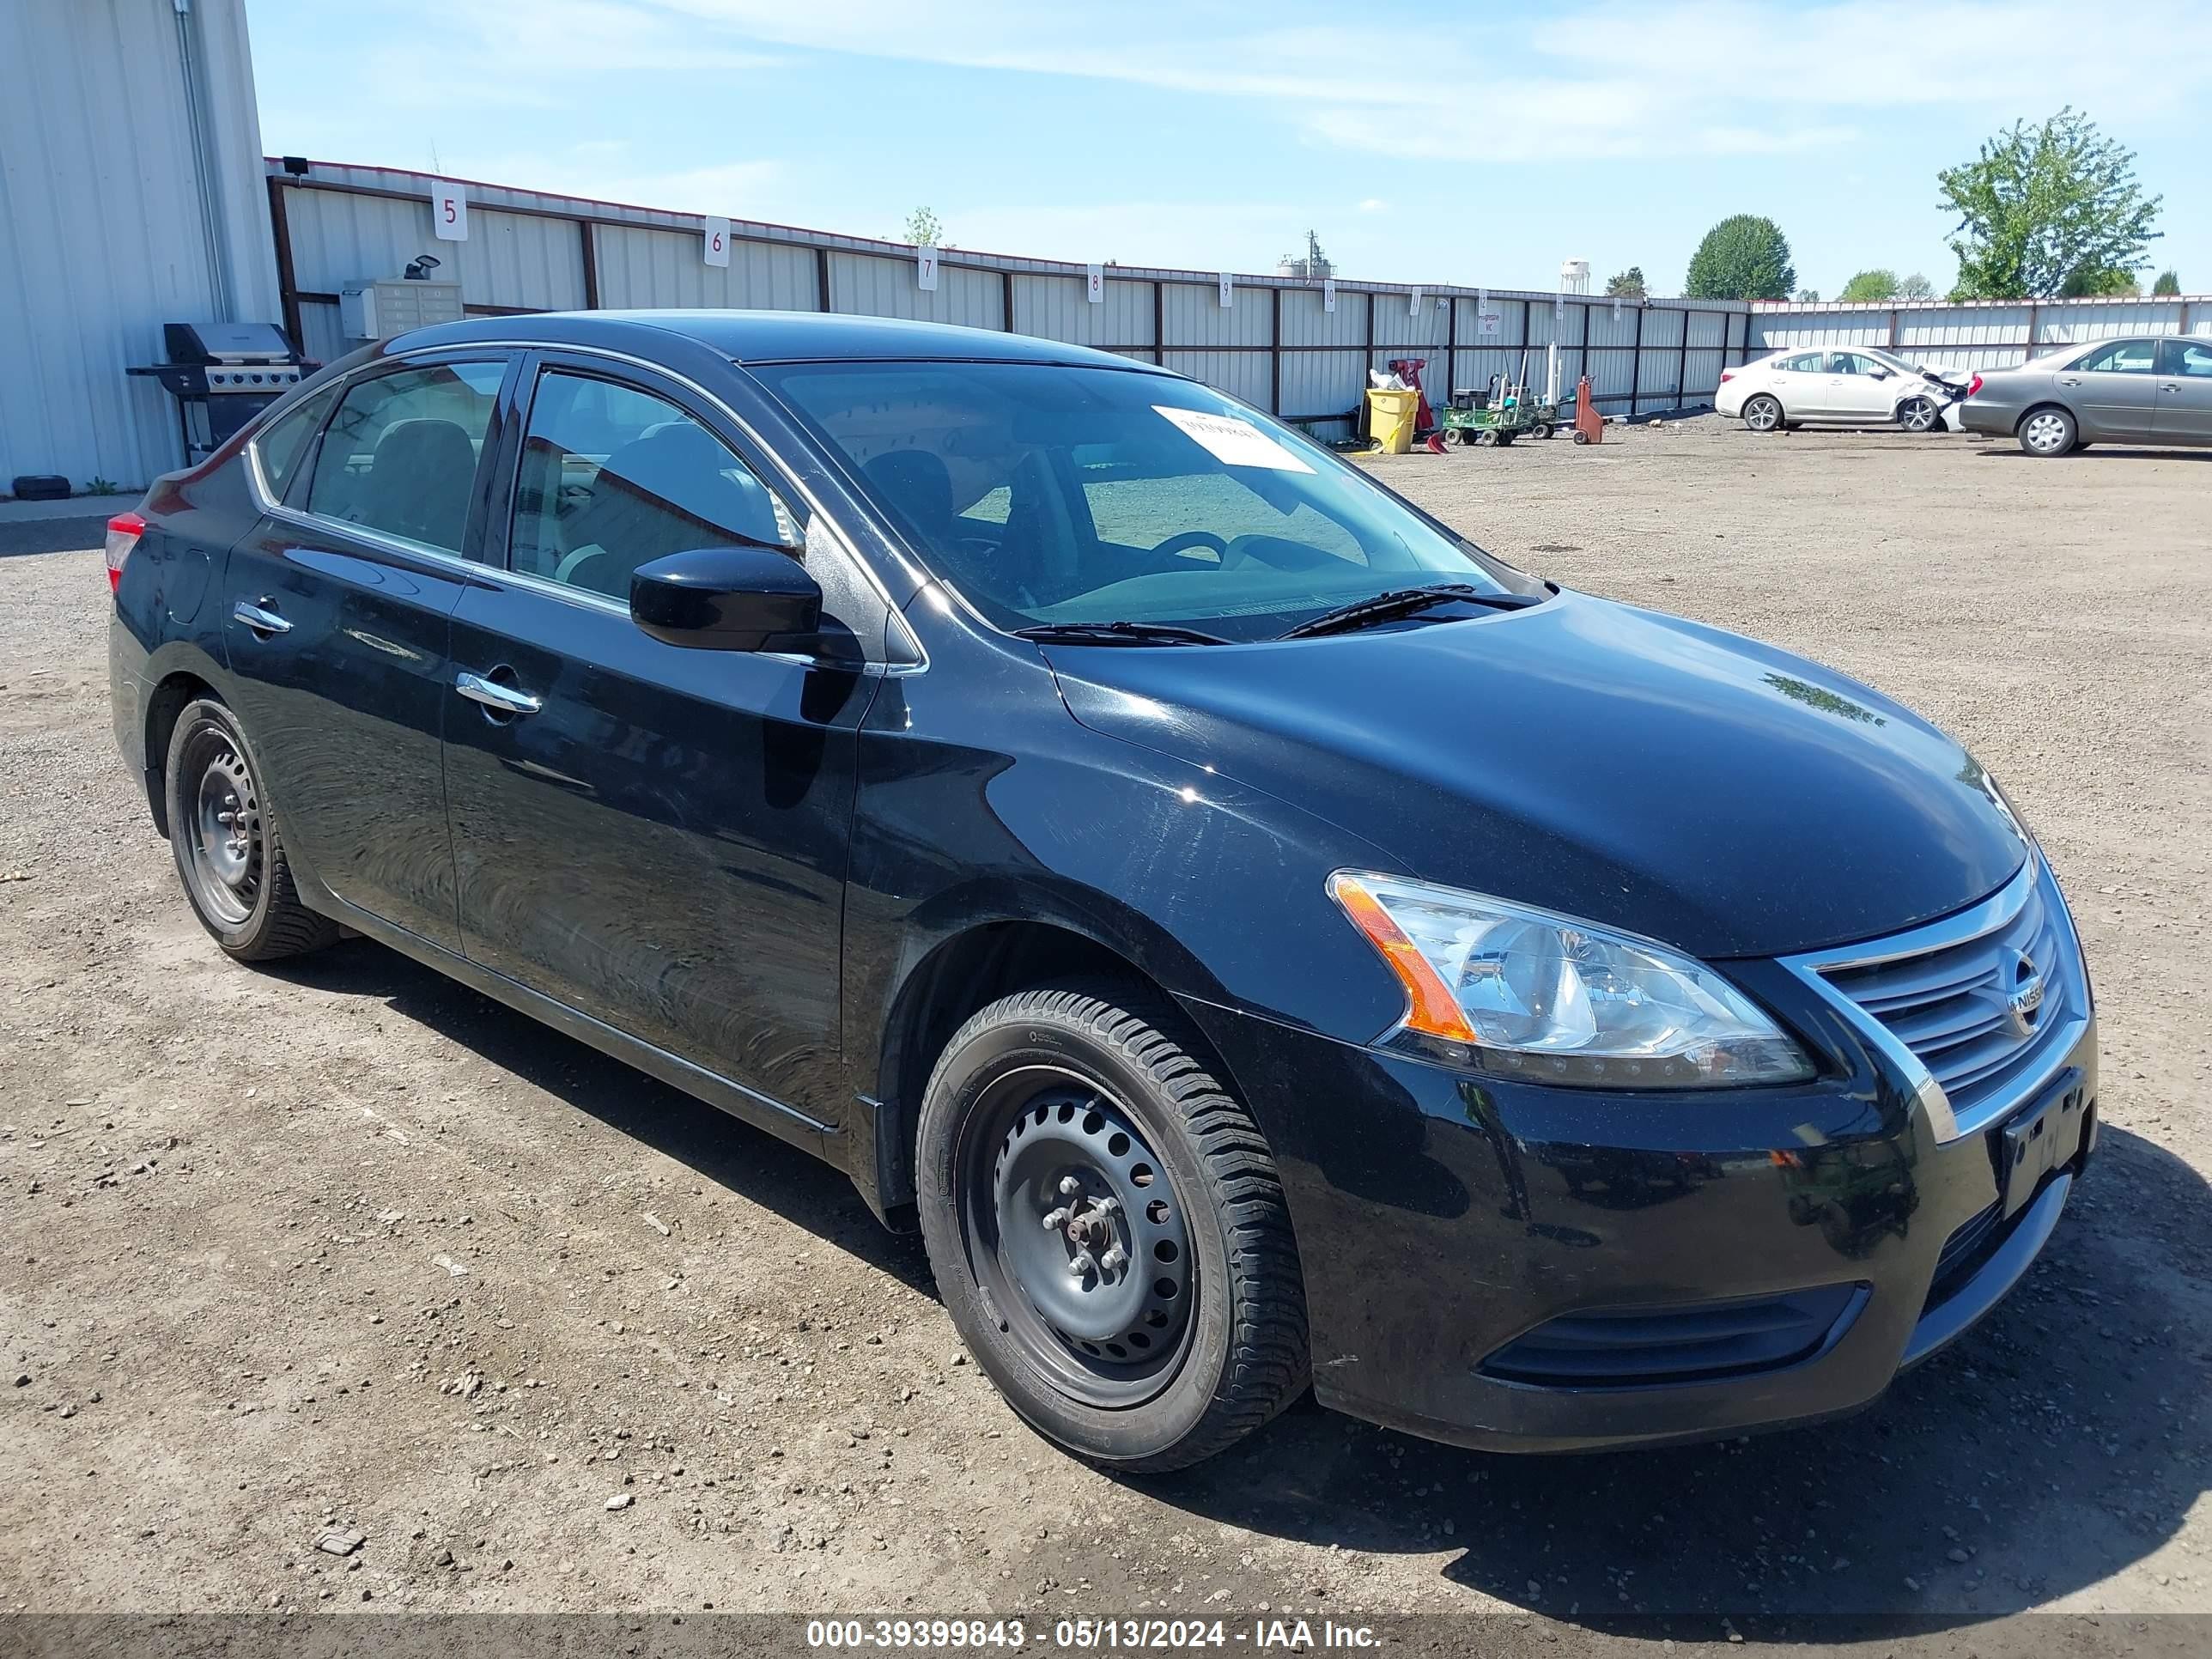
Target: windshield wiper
x=1116 y=633
x=1406 y=602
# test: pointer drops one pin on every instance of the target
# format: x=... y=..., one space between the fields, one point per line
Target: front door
x=335 y=617
x=652 y=835
x=2114 y=391
x=1859 y=388
x=2184 y=392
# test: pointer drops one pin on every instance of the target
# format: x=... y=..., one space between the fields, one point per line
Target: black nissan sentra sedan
x=1260 y=937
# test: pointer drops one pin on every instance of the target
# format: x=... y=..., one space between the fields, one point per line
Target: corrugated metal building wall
x=103 y=238
x=1275 y=345
x=1976 y=333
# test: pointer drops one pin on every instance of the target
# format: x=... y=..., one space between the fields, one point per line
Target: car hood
x=1629 y=767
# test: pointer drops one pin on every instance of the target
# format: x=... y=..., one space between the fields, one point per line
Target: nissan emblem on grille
x=2025 y=995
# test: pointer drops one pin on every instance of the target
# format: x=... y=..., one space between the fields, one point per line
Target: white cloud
x=1198 y=235
x=1374 y=204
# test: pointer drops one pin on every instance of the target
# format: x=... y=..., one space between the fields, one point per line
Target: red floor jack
x=1590 y=425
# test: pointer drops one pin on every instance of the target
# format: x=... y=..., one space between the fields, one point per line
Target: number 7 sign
x=925 y=267
x=449 y=212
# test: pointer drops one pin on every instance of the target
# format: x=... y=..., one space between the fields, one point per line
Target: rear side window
x=2127 y=357
x=280 y=448
x=1805 y=363
x=400 y=455
x=613 y=477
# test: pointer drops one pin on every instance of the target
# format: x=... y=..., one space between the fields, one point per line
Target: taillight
x=1974 y=387
x=1727 y=374
x=123 y=531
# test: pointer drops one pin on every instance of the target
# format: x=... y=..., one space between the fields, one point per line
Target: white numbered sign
x=1616 y=307
x=1414 y=305
x=925 y=268
x=1228 y=292
x=714 y=243
x=1489 y=320
x=1095 y=285
x=1328 y=293
x=449 y=212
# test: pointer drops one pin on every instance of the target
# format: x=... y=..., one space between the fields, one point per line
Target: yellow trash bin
x=1390 y=417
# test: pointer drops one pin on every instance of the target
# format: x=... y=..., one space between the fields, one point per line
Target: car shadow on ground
x=76 y=533
x=752 y=1162
x=2063 y=1439
x=2101 y=448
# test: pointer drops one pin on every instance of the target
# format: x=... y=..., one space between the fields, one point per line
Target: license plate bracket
x=2038 y=1139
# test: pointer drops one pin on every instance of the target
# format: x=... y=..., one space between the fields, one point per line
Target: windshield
x=1049 y=494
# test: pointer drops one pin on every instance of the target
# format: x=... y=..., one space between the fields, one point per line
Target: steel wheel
x=1078 y=1236
x=2047 y=432
x=1762 y=413
x=1919 y=414
x=225 y=845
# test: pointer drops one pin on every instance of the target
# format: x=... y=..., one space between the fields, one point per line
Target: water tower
x=1574 y=276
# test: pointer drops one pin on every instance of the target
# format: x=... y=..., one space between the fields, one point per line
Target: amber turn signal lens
x=1430 y=1005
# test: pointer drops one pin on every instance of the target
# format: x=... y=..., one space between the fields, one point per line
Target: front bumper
x=1451 y=1223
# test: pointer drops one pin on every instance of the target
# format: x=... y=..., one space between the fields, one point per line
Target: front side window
x=1050 y=494
x=281 y=446
x=400 y=454
x=2189 y=357
x=613 y=477
x=1850 y=362
x=2126 y=357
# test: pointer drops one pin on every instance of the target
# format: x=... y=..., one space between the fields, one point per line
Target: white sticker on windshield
x=1228 y=439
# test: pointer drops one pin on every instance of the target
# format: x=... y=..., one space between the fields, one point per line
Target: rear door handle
x=2169 y=386
x=266 y=624
x=2069 y=380
x=504 y=699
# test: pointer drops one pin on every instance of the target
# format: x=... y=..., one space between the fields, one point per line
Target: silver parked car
x=2156 y=391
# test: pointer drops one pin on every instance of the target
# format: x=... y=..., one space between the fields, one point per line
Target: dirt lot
x=348 y=1245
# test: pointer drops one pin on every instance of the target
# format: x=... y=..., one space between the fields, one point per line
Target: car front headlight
x=1531 y=993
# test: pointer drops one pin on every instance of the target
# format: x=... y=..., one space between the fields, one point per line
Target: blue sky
x=1443 y=141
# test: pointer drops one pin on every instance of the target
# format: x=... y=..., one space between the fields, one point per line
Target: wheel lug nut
x=1056 y=1220
x=1113 y=1259
x=1069 y=1186
x=1083 y=1263
x=1107 y=1206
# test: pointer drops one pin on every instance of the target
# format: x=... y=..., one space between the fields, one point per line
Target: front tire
x=222 y=834
x=1762 y=413
x=1920 y=415
x=2048 y=432
x=1108 y=1230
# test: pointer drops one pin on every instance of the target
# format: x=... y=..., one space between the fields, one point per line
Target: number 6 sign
x=449 y=212
x=714 y=243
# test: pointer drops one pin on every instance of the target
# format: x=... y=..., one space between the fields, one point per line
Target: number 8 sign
x=449 y=212
x=714 y=243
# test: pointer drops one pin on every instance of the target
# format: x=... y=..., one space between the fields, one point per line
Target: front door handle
x=266 y=624
x=2169 y=386
x=2069 y=380
x=503 y=699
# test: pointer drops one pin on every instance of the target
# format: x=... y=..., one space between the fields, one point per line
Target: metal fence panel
x=876 y=285
x=1307 y=323
x=1974 y=334
x=1240 y=373
x=641 y=267
x=1060 y=308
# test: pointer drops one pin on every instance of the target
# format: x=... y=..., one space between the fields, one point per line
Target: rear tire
x=1762 y=413
x=2048 y=432
x=224 y=836
x=1108 y=1230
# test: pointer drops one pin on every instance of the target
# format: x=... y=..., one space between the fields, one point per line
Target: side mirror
x=1879 y=372
x=726 y=599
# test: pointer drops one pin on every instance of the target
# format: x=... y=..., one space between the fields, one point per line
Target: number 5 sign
x=449 y=212
x=714 y=244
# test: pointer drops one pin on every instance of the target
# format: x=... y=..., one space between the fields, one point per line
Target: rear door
x=336 y=618
x=652 y=835
x=1801 y=380
x=2184 y=392
x=2113 y=390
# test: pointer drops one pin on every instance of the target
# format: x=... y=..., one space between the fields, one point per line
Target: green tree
x=1876 y=284
x=2102 y=284
x=2169 y=282
x=1743 y=257
x=922 y=229
x=2047 y=210
x=1808 y=296
x=1915 y=287
x=1627 y=284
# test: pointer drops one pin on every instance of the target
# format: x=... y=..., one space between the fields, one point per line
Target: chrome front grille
x=1983 y=1003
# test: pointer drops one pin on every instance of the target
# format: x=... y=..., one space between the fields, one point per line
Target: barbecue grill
x=222 y=374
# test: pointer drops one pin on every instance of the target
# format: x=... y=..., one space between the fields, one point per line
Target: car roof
x=770 y=336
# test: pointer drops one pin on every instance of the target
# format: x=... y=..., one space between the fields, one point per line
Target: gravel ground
x=348 y=1247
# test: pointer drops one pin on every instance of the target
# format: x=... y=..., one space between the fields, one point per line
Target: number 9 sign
x=449 y=212
x=714 y=244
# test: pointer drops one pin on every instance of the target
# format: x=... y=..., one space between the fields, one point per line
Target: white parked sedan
x=1854 y=386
